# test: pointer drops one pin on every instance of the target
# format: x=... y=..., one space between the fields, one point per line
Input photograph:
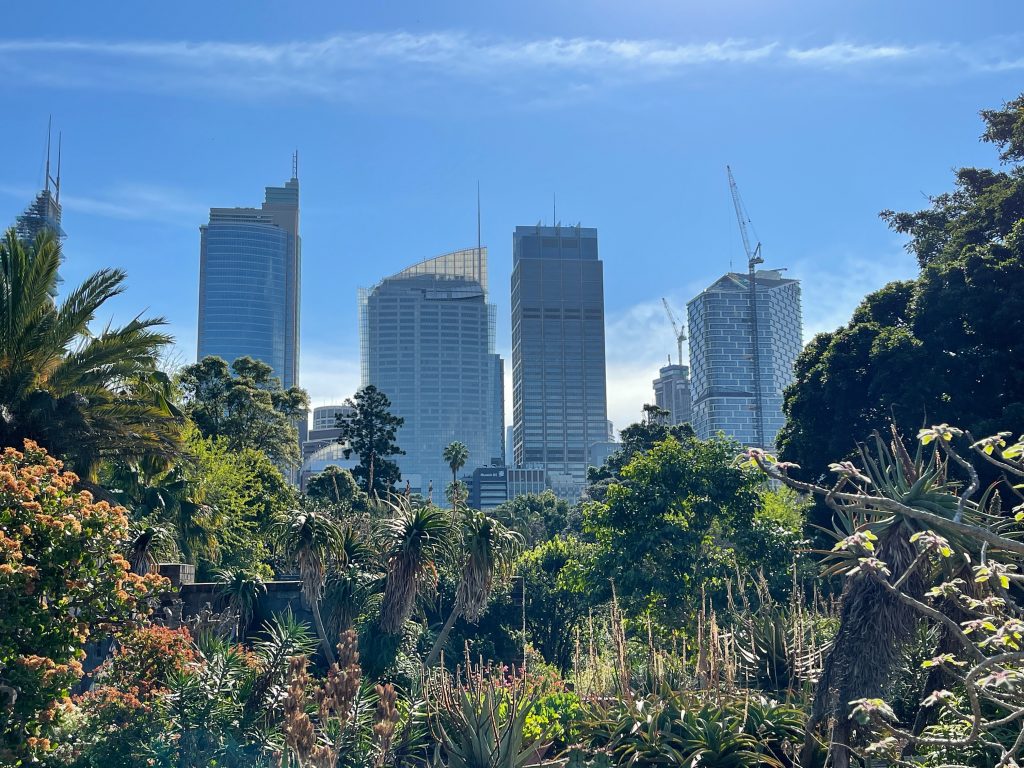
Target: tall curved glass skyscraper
x=427 y=339
x=249 y=283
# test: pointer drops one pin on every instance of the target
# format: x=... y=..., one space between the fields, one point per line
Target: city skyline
x=628 y=115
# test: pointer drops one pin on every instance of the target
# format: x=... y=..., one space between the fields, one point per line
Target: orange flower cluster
x=62 y=573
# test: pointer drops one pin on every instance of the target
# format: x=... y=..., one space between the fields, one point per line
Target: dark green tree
x=245 y=405
x=370 y=433
x=666 y=528
x=946 y=347
x=536 y=517
x=558 y=595
x=336 y=486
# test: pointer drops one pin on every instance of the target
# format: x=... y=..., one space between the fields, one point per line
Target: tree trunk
x=321 y=632
x=442 y=637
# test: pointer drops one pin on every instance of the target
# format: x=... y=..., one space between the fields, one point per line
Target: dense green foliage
x=665 y=532
x=946 y=347
x=336 y=486
x=83 y=395
x=245 y=406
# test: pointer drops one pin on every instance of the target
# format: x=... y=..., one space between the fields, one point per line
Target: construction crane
x=679 y=331
x=753 y=259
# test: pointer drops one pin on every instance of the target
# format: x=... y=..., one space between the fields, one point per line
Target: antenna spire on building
x=60 y=142
x=49 y=127
x=295 y=165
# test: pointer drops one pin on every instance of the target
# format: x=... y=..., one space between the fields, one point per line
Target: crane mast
x=679 y=332
x=753 y=259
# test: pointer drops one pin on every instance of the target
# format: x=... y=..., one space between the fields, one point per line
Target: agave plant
x=481 y=722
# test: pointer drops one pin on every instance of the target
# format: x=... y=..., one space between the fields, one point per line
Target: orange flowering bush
x=147 y=657
x=63 y=582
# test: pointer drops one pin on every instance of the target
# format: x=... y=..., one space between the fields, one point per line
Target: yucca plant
x=411 y=542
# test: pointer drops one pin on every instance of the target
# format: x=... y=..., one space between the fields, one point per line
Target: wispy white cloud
x=347 y=64
x=835 y=282
x=130 y=202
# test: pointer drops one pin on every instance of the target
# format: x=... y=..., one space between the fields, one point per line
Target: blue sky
x=828 y=112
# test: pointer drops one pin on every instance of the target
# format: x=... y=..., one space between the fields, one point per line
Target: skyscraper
x=44 y=212
x=427 y=339
x=559 y=405
x=736 y=387
x=249 y=282
x=672 y=392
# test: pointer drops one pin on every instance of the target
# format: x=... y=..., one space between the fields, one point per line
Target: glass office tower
x=249 y=282
x=427 y=339
x=559 y=404
x=724 y=380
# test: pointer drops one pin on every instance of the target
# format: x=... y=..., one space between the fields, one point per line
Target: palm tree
x=412 y=540
x=488 y=546
x=456 y=454
x=309 y=535
x=82 y=395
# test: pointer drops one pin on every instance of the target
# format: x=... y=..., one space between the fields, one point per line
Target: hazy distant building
x=491 y=486
x=731 y=379
x=672 y=392
x=44 y=212
x=559 y=405
x=321 y=448
x=427 y=340
x=249 y=282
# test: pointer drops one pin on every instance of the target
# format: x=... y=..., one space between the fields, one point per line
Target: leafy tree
x=63 y=582
x=556 y=585
x=370 y=433
x=336 y=486
x=83 y=395
x=245 y=405
x=536 y=517
x=456 y=454
x=217 y=504
x=666 y=529
x=946 y=347
x=636 y=438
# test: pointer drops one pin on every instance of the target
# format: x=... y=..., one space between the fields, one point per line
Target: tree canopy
x=665 y=529
x=945 y=347
x=245 y=405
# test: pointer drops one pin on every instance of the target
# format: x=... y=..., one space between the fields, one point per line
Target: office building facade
x=250 y=262
x=736 y=387
x=321 y=448
x=672 y=392
x=427 y=341
x=559 y=400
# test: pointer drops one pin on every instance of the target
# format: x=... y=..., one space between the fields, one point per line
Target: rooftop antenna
x=554 y=209
x=295 y=165
x=60 y=142
x=46 y=178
